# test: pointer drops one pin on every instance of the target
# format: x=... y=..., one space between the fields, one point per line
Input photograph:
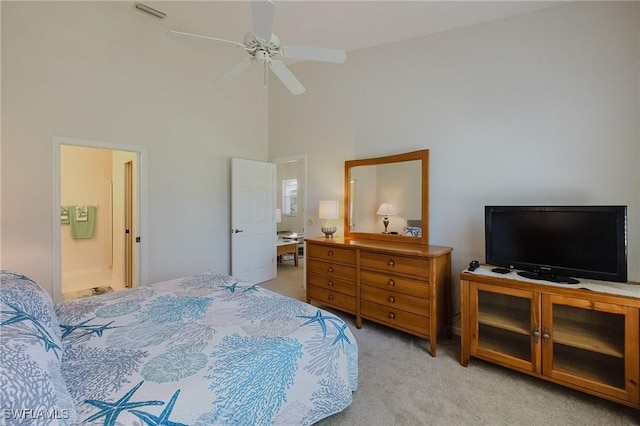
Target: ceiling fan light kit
x=262 y=45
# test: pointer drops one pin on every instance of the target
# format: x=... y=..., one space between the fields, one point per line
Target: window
x=290 y=197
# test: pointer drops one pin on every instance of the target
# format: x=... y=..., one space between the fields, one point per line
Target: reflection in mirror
x=392 y=191
x=353 y=186
x=397 y=184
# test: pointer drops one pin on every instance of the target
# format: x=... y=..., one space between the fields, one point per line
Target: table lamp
x=328 y=210
x=386 y=210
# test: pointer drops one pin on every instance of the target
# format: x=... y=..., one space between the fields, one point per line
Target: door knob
x=236 y=230
x=545 y=334
x=536 y=333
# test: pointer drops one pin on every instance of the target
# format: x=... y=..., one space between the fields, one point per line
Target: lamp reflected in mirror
x=328 y=210
x=401 y=180
x=386 y=210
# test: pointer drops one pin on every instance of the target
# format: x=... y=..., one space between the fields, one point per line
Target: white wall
x=102 y=71
x=537 y=109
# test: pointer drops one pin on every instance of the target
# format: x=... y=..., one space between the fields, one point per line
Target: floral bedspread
x=202 y=350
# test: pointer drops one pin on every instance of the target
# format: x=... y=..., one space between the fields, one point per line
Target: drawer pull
x=392 y=315
x=330 y=297
x=330 y=283
x=391 y=282
x=391 y=263
x=330 y=253
x=330 y=269
x=392 y=299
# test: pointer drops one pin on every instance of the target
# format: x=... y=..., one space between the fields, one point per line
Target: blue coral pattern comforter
x=202 y=350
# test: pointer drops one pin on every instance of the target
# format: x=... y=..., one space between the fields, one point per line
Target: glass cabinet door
x=507 y=326
x=590 y=344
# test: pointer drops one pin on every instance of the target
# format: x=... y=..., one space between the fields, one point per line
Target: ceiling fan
x=263 y=46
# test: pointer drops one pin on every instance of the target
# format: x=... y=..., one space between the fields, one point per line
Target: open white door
x=253 y=225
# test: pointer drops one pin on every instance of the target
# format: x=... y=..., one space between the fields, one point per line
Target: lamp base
x=328 y=231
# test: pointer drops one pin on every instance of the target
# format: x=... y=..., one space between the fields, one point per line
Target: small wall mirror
x=387 y=198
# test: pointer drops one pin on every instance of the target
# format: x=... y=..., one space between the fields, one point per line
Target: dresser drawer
x=392 y=263
x=395 y=300
x=339 y=300
x=332 y=284
x=332 y=254
x=397 y=284
x=331 y=269
x=395 y=317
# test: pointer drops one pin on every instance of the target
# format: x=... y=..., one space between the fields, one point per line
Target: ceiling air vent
x=150 y=11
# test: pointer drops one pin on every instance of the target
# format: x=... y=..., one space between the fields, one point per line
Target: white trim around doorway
x=141 y=218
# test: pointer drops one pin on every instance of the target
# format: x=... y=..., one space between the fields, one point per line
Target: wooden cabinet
x=579 y=338
x=404 y=286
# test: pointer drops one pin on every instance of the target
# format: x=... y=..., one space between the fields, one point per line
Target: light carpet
x=401 y=384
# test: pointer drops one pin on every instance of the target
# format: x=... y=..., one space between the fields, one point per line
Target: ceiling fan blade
x=337 y=56
x=286 y=77
x=236 y=70
x=263 y=12
x=208 y=38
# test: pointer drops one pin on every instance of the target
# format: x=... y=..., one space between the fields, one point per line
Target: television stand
x=583 y=339
x=548 y=277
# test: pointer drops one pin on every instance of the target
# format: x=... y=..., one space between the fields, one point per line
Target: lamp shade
x=328 y=210
x=386 y=209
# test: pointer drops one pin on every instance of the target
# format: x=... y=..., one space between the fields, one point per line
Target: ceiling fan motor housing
x=261 y=48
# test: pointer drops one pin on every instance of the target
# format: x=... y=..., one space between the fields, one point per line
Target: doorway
x=96 y=218
x=291 y=200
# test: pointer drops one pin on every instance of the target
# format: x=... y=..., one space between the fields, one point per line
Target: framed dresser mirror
x=387 y=198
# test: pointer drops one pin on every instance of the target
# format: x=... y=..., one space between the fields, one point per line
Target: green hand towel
x=82 y=229
x=64 y=215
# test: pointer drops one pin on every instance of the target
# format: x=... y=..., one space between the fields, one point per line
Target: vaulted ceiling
x=348 y=25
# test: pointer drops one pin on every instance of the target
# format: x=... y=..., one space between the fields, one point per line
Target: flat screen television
x=558 y=243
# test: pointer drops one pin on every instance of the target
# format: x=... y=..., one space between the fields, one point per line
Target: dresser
x=400 y=285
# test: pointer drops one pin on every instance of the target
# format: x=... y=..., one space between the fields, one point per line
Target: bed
x=201 y=350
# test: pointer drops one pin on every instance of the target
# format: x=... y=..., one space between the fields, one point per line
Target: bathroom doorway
x=98 y=226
